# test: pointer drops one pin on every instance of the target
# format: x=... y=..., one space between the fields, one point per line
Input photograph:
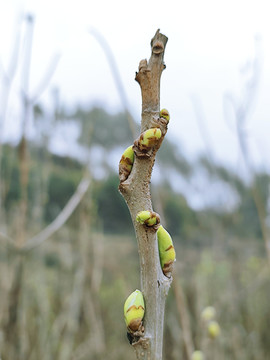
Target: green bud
x=213 y=329
x=208 y=313
x=126 y=163
x=148 y=218
x=164 y=113
x=134 y=310
x=166 y=250
x=197 y=355
x=149 y=139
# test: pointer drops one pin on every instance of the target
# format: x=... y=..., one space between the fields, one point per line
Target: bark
x=136 y=192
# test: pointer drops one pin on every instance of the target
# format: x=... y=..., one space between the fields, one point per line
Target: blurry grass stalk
x=183 y=317
x=14 y=320
x=12 y=335
x=12 y=338
x=116 y=76
x=242 y=110
x=81 y=285
x=7 y=81
x=62 y=217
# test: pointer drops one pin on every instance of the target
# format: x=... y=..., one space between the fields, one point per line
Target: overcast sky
x=210 y=44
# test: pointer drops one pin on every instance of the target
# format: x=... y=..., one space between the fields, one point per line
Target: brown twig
x=136 y=192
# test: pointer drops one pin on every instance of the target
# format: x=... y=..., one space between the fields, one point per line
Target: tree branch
x=116 y=75
x=149 y=79
x=59 y=221
x=136 y=192
x=7 y=241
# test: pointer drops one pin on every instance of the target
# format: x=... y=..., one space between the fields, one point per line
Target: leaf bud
x=149 y=139
x=208 y=313
x=148 y=218
x=213 y=329
x=164 y=113
x=197 y=355
x=166 y=250
x=126 y=163
x=134 y=310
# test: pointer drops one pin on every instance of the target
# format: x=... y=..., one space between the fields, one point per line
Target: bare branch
x=64 y=215
x=116 y=75
x=8 y=76
x=242 y=109
x=149 y=79
x=46 y=78
x=201 y=122
x=7 y=241
x=26 y=66
x=136 y=192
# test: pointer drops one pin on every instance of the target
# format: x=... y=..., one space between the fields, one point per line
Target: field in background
x=73 y=289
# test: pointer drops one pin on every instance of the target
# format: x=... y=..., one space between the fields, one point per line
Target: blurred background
x=69 y=106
